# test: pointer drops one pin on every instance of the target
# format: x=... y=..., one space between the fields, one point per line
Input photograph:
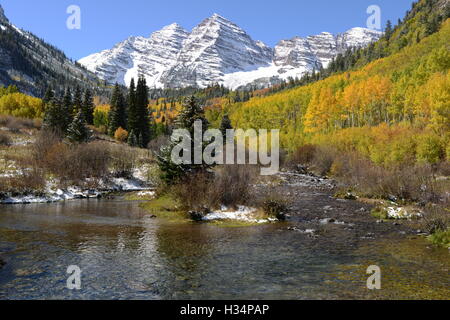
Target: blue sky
x=106 y=22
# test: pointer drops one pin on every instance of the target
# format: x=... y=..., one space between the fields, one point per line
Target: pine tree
x=132 y=111
x=141 y=140
x=67 y=110
x=49 y=95
x=54 y=117
x=225 y=125
x=78 y=131
x=191 y=112
x=132 y=140
x=388 y=30
x=117 y=115
x=88 y=107
x=144 y=127
x=171 y=172
x=77 y=100
x=139 y=119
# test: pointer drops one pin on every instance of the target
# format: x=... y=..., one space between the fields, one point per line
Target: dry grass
x=31 y=182
x=408 y=182
x=303 y=155
x=228 y=185
x=50 y=157
x=123 y=160
x=16 y=124
x=437 y=218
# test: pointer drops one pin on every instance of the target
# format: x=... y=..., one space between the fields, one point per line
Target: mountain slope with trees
x=33 y=65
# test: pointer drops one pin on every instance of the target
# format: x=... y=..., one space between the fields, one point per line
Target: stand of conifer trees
x=69 y=115
x=132 y=114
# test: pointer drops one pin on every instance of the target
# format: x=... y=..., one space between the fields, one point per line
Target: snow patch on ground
x=53 y=194
x=242 y=214
x=148 y=193
x=402 y=213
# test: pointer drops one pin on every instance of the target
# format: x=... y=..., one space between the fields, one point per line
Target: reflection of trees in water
x=185 y=247
x=186 y=250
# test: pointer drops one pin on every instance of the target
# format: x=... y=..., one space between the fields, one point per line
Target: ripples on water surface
x=124 y=254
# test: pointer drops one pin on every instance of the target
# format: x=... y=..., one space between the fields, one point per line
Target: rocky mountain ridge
x=219 y=51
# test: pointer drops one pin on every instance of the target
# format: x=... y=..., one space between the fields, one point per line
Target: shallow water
x=125 y=254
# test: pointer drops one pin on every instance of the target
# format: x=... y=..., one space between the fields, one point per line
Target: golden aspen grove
x=392 y=108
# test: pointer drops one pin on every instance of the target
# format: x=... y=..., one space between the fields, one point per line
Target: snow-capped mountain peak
x=214 y=48
x=218 y=51
x=139 y=55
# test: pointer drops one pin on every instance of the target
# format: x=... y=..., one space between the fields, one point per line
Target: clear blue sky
x=106 y=22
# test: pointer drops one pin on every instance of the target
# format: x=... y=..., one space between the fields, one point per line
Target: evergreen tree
x=132 y=111
x=77 y=131
x=225 y=125
x=132 y=140
x=190 y=113
x=54 y=117
x=139 y=119
x=144 y=126
x=388 y=30
x=66 y=110
x=88 y=107
x=141 y=140
x=117 y=115
x=171 y=172
x=77 y=100
x=49 y=95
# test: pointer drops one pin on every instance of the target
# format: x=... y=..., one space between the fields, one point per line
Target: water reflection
x=124 y=254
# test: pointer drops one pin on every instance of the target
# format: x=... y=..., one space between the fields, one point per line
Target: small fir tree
x=78 y=132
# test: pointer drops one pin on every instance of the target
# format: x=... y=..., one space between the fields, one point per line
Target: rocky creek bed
x=321 y=251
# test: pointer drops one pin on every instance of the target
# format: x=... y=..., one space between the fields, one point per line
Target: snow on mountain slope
x=219 y=51
x=148 y=56
x=214 y=48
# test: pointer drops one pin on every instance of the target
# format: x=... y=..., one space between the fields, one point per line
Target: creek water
x=123 y=253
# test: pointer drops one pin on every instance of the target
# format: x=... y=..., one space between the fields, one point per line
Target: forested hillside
x=394 y=102
x=32 y=64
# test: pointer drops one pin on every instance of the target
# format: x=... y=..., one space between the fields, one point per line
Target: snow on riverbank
x=402 y=213
x=243 y=213
x=53 y=194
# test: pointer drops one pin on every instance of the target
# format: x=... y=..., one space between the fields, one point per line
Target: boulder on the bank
x=199 y=215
